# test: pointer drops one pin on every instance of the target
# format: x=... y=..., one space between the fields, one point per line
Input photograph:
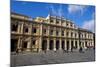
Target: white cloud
x=55 y=11
x=76 y=8
x=90 y=25
x=52 y=10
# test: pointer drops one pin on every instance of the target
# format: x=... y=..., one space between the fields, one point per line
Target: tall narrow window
x=44 y=31
x=71 y=34
x=34 y=30
x=57 y=22
x=62 y=33
x=57 y=32
x=26 y=29
x=67 y=33
x=34 y=41
x=25 y=44
x=51 y=21
x=75 y=34
x=51 y=32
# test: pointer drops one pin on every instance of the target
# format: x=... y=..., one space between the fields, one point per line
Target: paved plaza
x=52 y=57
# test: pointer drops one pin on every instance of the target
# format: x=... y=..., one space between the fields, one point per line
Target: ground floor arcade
x=37 y=44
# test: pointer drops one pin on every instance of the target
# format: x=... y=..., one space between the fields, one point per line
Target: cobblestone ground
x=52 y=57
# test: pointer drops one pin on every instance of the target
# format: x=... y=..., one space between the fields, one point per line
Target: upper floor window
x=33 y=42
x=67 y=24
x=51 y=32
x=57 y=22
x=51 y=21
x=57 y=32
x=71 y=25
x=26 y=29
x=71 y=34
x=67 y=33
x=14 y=27
x=44 y=31
x=62 y=33
x=75 y=34
x=34 y=30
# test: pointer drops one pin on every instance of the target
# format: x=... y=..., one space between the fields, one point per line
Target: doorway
x=44 y=45
x=51 y=45
x=14 y=44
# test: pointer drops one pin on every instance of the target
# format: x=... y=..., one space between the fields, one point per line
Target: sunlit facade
x=47 y=34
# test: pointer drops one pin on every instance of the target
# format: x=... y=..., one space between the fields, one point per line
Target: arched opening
x=57 y=44
x=51 y=45
x=24 y=46
x=67 y=45
x=44 y=45
x=72 y=45
x=14 y=44
x=63 y=44
x=75 y=44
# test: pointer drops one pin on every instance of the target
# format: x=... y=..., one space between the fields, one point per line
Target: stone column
x=40 y=40
x=48 y=42
x=22 y=26
x=18 y=45
x=54 y=45
x=74 y=43
x=65 y=47
x=29 y=45
x=84 y=44
x=70 y=45
x=19 y=26
x=60 y=44
x=60 y=41
x=21 y=44
x=88 y=43
x=48 y=30
x=30 y=29
x=78 y=46
x=93 y=43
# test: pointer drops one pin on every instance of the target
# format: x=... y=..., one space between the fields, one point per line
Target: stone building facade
x=45 y=34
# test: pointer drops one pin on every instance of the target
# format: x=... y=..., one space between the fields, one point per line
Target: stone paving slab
x=51 y=58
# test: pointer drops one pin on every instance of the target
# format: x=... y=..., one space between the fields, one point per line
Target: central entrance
x=51 y=45
x=44 y=45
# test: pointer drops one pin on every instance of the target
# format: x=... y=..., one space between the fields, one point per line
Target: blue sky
x=81 y=15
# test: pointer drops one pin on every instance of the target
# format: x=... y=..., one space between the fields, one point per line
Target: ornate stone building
x=45 y=34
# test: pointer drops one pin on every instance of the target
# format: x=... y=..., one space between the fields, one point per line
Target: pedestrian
x=80 y=50
x=71 y=49
x=55 y=50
